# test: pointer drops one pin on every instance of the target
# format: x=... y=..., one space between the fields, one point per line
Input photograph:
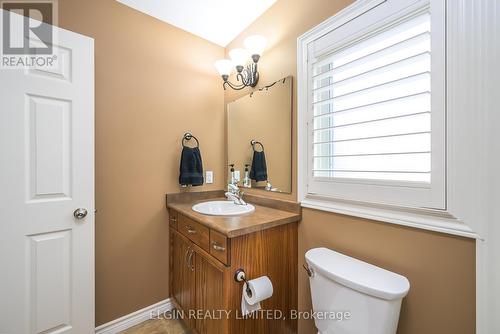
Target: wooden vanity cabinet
x=196 y=284
x=202 y=276
x=209 y=291
x=182 y=274
x=172 y=218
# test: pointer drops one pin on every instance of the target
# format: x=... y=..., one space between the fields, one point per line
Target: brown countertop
x=268 y=213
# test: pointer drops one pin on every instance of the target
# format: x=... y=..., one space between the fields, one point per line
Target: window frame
x=363 y=200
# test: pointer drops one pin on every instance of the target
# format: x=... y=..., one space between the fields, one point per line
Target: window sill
x=427 y=219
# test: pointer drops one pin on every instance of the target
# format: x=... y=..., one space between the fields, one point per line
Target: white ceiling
x=218 y=21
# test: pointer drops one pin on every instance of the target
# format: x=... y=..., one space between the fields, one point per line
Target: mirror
x=260 y=136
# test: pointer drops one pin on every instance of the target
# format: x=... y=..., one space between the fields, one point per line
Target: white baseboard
x=135 y=318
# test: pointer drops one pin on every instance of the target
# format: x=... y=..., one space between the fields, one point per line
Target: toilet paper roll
x=260 y=289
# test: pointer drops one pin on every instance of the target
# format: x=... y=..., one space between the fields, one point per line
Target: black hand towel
x=258 y=172
x=191 y=169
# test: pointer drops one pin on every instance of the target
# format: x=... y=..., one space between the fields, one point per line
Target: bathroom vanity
x=206 y=251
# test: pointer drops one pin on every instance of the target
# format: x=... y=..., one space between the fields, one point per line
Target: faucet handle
x=242 y=202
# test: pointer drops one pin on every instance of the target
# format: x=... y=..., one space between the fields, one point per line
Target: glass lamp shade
x=224 y=66
x=255 y=44
x=239 y=56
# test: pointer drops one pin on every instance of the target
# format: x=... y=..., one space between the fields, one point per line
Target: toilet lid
x=358 y=275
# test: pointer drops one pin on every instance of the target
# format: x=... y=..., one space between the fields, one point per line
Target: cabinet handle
x=190 y=260
x=190 y=229
x=217 y=247
x=186 y=256
x=172 y=219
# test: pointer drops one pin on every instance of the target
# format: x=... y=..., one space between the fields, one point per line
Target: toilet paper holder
x=240 y=276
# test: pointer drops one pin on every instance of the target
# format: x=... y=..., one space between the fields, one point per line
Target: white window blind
x=372 y=106
x=375 y=118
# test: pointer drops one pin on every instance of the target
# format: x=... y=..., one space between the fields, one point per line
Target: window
x=375 y=107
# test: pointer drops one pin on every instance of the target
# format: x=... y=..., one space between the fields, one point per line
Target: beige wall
x=153 y=82
x=265 y=116
x=441 y=268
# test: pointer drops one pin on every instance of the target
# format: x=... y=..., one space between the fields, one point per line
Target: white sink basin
x=222 y=208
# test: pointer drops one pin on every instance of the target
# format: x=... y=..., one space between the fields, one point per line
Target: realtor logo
x=24 y=31
x=28 y=33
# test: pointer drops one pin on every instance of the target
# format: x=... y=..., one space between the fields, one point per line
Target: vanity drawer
x=219 y=246
x=194 y=231
x=172 y=218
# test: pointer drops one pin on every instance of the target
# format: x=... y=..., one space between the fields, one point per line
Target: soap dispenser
x=232 y=178
x=247 y=183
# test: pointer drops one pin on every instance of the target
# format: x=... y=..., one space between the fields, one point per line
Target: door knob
x=80 y=213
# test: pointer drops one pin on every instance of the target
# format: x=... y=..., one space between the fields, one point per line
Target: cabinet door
x=209 y=297
x=183 y=275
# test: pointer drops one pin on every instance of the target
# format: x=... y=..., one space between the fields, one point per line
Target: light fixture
x=256 y=45
x=247 y=74
x=224 y=66
x=239 y=57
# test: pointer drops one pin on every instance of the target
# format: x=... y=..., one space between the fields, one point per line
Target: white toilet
x=353 y=297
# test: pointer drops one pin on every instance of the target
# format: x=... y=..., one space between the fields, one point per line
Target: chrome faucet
x=235 y=194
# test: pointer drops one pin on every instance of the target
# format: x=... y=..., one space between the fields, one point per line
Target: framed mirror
x=260 y=138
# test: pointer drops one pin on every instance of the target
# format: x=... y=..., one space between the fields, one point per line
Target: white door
x=46 y=173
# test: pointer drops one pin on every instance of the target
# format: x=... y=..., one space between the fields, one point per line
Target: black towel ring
x=188 y=137
x=253 y=142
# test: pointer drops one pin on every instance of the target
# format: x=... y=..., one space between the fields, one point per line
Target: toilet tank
x=350 y=296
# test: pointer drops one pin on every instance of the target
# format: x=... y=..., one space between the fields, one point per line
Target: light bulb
x=224 y=66
x=239 y=56
x=255 y=44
